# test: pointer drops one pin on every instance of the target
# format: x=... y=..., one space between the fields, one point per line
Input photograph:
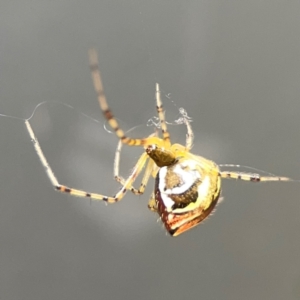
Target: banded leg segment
x=147 y=174
x=253 y=177
x=94 y=66
x=80 y=193
x=161 y=116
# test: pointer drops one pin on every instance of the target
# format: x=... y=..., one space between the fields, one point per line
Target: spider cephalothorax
x=187 y=186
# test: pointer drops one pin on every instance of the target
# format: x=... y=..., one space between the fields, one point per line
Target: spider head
x=161 y=156
x=186 y=193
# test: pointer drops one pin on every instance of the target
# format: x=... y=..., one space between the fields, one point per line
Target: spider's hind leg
x=152 y=205
x=94 y=66
x=253 y=177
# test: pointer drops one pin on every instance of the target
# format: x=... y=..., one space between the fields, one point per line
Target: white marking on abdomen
x=204 y=187
x=188 y=179
x=161 y=186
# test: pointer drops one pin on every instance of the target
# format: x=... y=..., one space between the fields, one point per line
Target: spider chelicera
x=187 y=186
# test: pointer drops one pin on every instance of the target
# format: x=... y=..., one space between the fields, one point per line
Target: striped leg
x=254 y=177
x=161 y=116
x=106 y=110
x=80 y=193
x=146 y=177
x=147 y=174
x=118 y=158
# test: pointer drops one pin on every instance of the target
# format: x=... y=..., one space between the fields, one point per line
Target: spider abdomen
x=186 y=193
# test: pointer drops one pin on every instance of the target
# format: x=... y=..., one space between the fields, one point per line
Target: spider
x=187 y=186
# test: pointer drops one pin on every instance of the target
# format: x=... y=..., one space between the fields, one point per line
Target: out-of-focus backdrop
x=233 y=65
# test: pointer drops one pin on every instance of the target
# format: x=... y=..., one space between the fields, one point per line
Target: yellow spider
x=187 y=186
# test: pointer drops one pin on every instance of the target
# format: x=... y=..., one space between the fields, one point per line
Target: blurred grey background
x=233 y=65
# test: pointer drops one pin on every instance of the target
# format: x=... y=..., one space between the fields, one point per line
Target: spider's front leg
x=81 y=193
x=149 y=169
